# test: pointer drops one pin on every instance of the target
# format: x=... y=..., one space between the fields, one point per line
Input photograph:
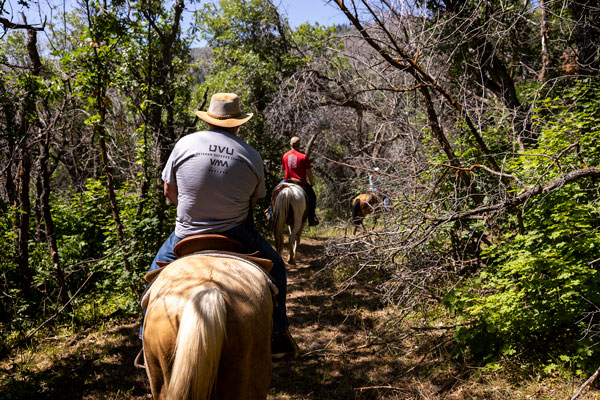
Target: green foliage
x=252 y=54
x=8 y=271
x=539 y=284
x=97 y=87
x=251 y=48
x=541 y=287
x=570 y=119
x=87 y=232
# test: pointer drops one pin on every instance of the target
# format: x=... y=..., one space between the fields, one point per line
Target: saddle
x=281 y=186
x=374 y=196
x=209 y=244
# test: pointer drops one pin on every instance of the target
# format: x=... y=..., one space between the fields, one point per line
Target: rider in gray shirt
x=215 y=179
x=216 y=174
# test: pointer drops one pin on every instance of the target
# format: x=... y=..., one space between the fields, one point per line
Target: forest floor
x=341 y=358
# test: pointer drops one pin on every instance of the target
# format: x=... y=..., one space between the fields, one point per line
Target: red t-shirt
x=295 y=164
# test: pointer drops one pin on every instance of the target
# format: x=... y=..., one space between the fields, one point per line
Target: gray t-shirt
x=216 y=174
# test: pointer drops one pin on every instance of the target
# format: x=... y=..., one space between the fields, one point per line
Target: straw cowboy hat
x=224 y=111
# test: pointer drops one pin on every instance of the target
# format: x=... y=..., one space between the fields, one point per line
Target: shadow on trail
x=338 y=354
x=340 y=359
x=89 y=371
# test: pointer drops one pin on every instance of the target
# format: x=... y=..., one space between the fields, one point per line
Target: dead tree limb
x=586 y=383
x=523 y=196
x=403 y=61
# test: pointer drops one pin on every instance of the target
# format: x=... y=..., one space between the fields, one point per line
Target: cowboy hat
x=224 y=111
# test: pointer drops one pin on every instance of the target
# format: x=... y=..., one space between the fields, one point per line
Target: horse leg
x=156 y=376
x=357 y=223
x=295 y=234
x=157 y=350
x=299 y=236
x=292 y=246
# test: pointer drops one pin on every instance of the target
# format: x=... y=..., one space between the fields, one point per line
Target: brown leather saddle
x=210 y=242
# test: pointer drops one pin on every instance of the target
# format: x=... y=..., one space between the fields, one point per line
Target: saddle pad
x=262 y=264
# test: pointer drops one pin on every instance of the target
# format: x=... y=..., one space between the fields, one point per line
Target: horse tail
x=280 y=214
x=356 y=212
x=199 y=343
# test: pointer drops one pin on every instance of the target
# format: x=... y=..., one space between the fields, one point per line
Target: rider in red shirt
x=296 y=165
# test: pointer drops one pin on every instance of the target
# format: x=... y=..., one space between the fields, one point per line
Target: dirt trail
x=340 y=357
x=98 y=363
x=332 y=330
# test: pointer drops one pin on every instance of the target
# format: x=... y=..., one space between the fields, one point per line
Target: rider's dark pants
x=312 y=201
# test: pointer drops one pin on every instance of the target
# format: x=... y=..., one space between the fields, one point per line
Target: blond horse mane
x=199 y=342
x=199 y=317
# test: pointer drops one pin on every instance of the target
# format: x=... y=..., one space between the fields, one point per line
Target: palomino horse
x=364 y=204
x=291 y=208
x=207 y=330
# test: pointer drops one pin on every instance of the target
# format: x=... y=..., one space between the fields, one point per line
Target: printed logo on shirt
x=220 y=149
x=219 y=163
x=292 y=161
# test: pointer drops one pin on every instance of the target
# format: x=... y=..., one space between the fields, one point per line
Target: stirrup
x=291 y=354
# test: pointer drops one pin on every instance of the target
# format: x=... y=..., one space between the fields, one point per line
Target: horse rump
x=202 y=337
x=199 y=343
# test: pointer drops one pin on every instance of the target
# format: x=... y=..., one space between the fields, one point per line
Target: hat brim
x=224 y=123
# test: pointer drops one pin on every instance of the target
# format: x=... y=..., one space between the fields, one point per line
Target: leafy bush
x=541 y=287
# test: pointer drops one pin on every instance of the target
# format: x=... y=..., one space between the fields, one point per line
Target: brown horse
x=364 y=204
x=207 y=330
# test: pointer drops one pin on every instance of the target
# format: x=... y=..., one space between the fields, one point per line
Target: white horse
x=291 y=208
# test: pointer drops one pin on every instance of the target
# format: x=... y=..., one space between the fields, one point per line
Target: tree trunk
x=28 y=111
x=544 y=36
x=440 y=136
x=22 y=221
x=45 y=182
x=111 y=187
x=100 y=133
x=497 y=79
x=163 y=135
x=48 y=221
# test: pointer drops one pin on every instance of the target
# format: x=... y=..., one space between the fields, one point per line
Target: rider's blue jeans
x=253 y=241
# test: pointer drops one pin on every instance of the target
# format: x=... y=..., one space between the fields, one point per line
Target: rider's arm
x=171 y=192
x=254 y=200
x=310 y=177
